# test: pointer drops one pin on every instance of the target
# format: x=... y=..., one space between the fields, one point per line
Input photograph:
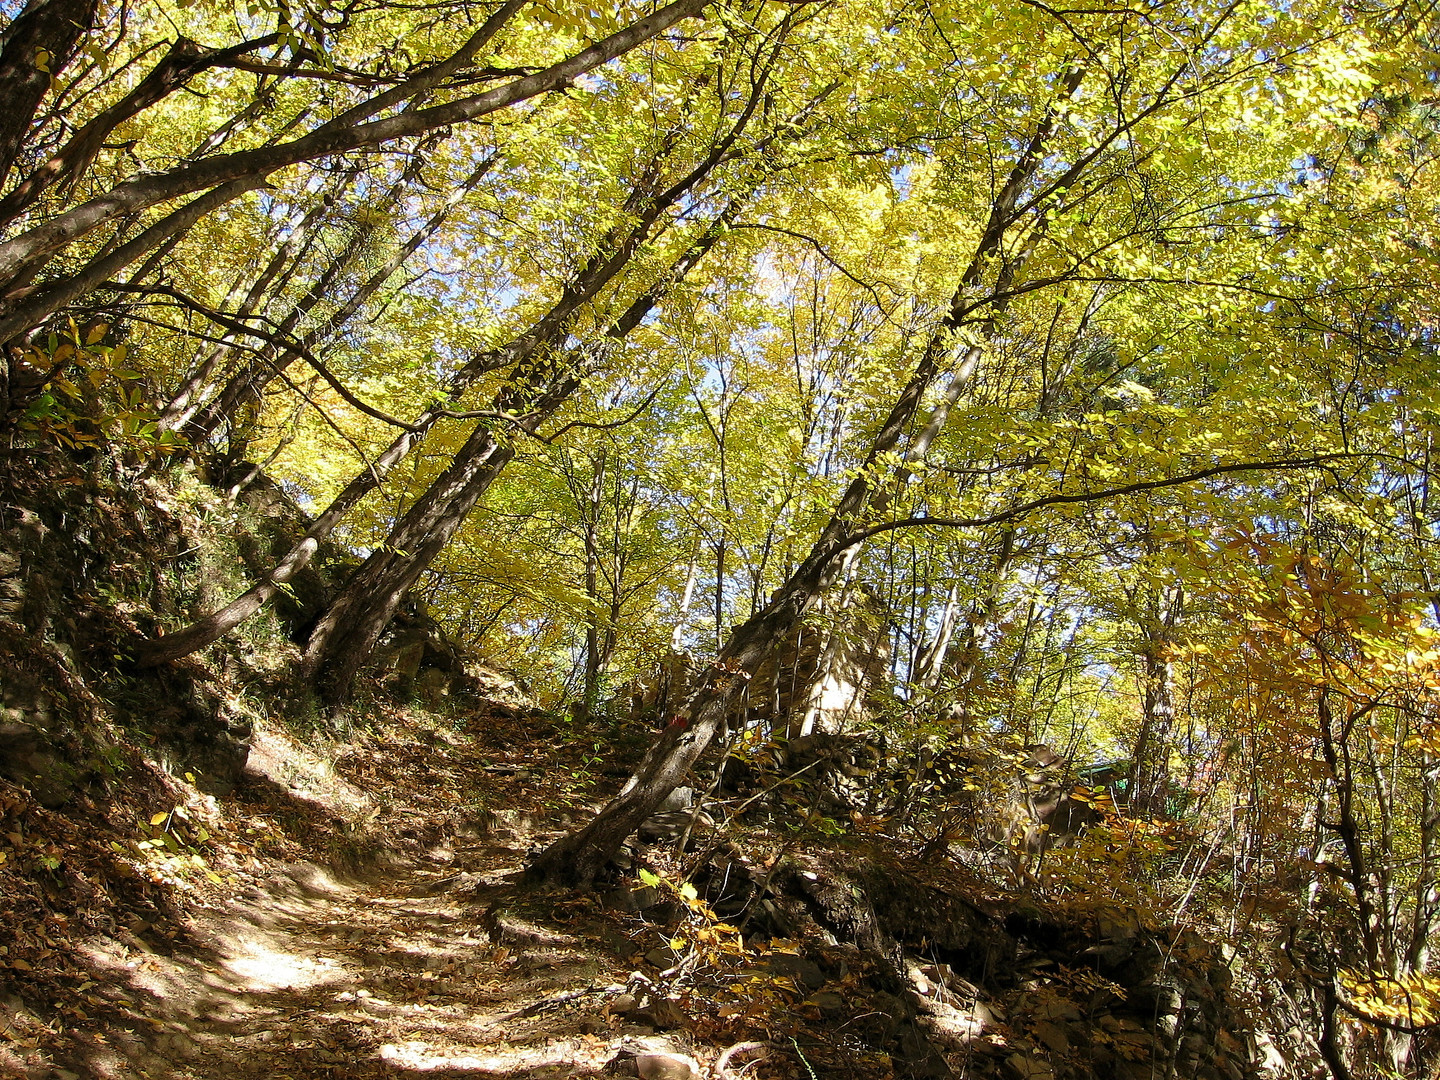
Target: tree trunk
x=352 y=625
x=928 y=664
x=590 y=692
x=49 y=26
x=216 y=625
x=350 y=628
x=249 y=383
x=1149 y=781
x=1158 y=609
x=579 y=856
x=830 y=663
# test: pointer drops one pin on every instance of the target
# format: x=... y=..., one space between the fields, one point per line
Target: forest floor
x=360 y=915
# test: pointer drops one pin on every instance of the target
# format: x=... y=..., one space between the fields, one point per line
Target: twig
x=720 y=1069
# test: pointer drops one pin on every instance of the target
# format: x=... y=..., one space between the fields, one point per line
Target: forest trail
x=426 y=957
x=354 y=910
x=308 y=975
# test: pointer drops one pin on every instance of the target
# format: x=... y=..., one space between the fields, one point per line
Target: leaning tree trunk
x=579 y=856
x=349 y=629
x=352 y=625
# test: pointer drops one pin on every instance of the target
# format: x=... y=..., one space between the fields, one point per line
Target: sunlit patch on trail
x=263 y=968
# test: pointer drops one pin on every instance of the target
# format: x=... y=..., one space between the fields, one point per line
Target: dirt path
x=309 y=976
x=146 y=960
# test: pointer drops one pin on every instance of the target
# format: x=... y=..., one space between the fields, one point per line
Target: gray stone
x=671 y=825
x=661 y=958
x=433 y=686
x=664 y=1066
x=806 y=972
x=682 y=798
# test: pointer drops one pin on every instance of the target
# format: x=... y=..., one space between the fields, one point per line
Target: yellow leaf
x=156 y=819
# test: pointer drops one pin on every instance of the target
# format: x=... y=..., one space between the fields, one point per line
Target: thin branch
x=824 y=254
x=611 y=426
x=1021 y=509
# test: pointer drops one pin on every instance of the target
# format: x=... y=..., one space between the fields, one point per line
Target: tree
x=546 y=375
x=216 y=176
x=1063 y=206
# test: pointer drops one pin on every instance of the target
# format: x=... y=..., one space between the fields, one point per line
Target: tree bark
x=50 y=26
x=1149 y=780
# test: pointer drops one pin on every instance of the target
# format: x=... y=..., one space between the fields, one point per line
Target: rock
x=682 y=798
x=828 y=1001
x=1057 y=1009
x=922 y=1059
x=432 y=686
x=663 y=1014
x=805 y=972
x=1111 y=955
x=27 y=758
x=621 y=1004
x=631 y=900
x=1118 y=924
x=987 y=1014
x=1053 y=1036
x=671 y=825
x=662 y=957
x=1027 y=1068
x=665 y=1066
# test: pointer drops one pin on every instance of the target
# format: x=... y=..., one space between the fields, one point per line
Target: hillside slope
x=202 y=880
